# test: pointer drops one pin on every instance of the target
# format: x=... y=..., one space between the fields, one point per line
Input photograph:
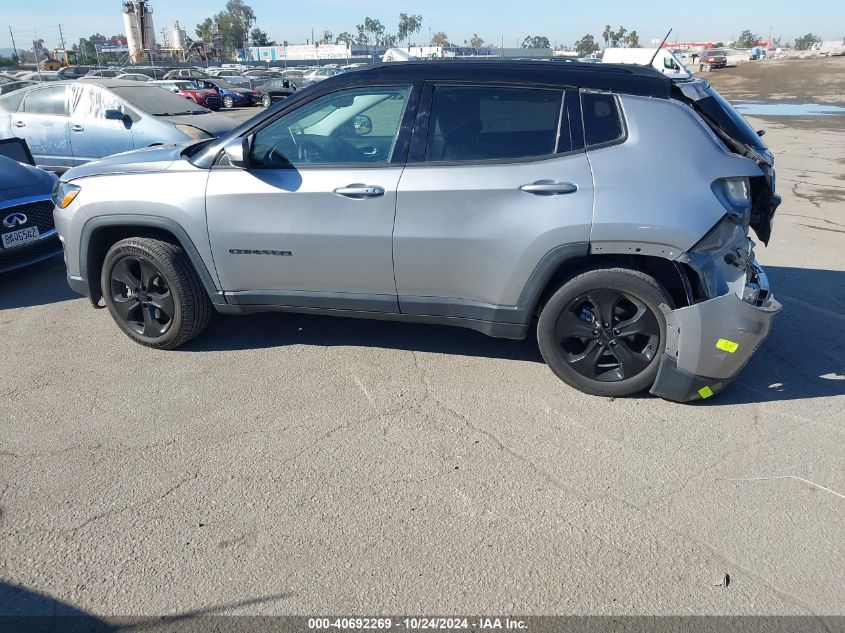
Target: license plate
x=21 y=237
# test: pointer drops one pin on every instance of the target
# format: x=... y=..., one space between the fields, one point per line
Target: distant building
x=140 y=32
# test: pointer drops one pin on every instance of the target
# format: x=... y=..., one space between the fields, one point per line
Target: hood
x=214 y=124
x=149 y=159
x=18 y=180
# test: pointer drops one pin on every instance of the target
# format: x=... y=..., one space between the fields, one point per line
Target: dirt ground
x=790 y=80
x=786 y=81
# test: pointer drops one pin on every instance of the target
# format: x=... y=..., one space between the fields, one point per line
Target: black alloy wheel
x=154 y=293
x=608 y=335
x=603 y=331
x=141 y=296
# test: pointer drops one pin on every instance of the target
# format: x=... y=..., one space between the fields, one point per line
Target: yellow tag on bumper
x=727 y=346
x=705 y=392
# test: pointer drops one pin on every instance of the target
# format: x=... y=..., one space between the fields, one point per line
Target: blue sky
x=562 y=22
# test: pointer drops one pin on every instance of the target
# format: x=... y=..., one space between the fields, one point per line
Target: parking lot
x=293 y=464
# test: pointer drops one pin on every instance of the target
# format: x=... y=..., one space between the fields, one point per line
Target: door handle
x=19 y=124
x=549 y=188
x=77 y=128
x=359 y=192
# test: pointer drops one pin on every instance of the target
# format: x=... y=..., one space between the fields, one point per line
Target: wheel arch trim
x=148 y=222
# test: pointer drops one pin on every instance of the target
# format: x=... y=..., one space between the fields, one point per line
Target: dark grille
x=30 y=253
x=38 y=214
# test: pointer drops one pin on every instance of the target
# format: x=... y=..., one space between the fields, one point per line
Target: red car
x=711 y=59
x=192 y=90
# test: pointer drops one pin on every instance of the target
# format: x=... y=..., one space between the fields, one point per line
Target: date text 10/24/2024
x=421 y=623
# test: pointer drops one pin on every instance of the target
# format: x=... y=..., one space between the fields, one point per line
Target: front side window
x=488 y=123
x=51 y=100
x=350 y=127
x=602 y=119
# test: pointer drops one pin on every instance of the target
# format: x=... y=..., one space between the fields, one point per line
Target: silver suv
x=604 y=203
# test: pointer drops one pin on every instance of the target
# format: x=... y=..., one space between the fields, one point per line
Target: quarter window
x=602 y=119
x=50 y=100
x=349 y=127
x=486 y=123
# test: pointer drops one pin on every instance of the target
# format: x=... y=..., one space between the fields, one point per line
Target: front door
x=310 y=222
x=42 y=121
x=92 y=135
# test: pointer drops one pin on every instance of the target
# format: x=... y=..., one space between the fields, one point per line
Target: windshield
x=223 y=84
x=156 y=101
x=717 y=108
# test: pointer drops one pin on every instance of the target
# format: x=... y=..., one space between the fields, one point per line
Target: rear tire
x=153 y=292
x=603 y=332
x=266 y=101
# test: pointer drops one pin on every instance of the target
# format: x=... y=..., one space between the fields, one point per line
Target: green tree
x=389 y=41
x=536 y=41
x=616 y=37
x=205 y=30
x=747 y=39
x=475 y=41
x=587 y=45
x=632 y=40
x=257 y=37
x=232 y=26
x=806 y=42
x=440 y=39
x=408 y=25
x=345 y=38
x=608 y=31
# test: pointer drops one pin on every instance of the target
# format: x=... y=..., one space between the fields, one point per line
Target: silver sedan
x=70 y=123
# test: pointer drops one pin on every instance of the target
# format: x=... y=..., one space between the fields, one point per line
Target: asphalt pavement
x=287 y=464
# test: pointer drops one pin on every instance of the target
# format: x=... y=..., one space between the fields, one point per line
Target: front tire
x=266 y=101
x=153 y=292
x=602 y=332
x=228 y=102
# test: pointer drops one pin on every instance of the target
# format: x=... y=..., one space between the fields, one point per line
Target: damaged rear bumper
x=709 y=343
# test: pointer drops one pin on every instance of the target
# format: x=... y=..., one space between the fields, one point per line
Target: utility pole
x=14 y=48
x=62 y=37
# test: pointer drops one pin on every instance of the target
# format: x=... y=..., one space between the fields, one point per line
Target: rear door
x=42 y=121
x=92 y=135
x=496 y=179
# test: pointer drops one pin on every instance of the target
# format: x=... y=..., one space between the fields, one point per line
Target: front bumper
x=709 y=343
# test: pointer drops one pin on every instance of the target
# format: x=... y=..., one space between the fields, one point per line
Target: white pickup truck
x=663 y=60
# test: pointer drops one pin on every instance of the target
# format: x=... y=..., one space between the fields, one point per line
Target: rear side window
x=489 y=123
x=602 y=119
x=47 y=101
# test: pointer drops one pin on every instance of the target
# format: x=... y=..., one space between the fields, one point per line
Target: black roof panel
x=625 y=78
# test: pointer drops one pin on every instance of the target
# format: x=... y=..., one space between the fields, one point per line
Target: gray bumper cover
x=709 y=343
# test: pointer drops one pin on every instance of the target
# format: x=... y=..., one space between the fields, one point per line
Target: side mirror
x=114 y=115
x=237 y=151
x=761 y=133
x=362 y=124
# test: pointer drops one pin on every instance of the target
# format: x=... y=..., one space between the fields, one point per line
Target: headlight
x=193 y=132
x=64 y=193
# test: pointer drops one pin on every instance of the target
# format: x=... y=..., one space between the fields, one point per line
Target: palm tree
x=606 y=35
